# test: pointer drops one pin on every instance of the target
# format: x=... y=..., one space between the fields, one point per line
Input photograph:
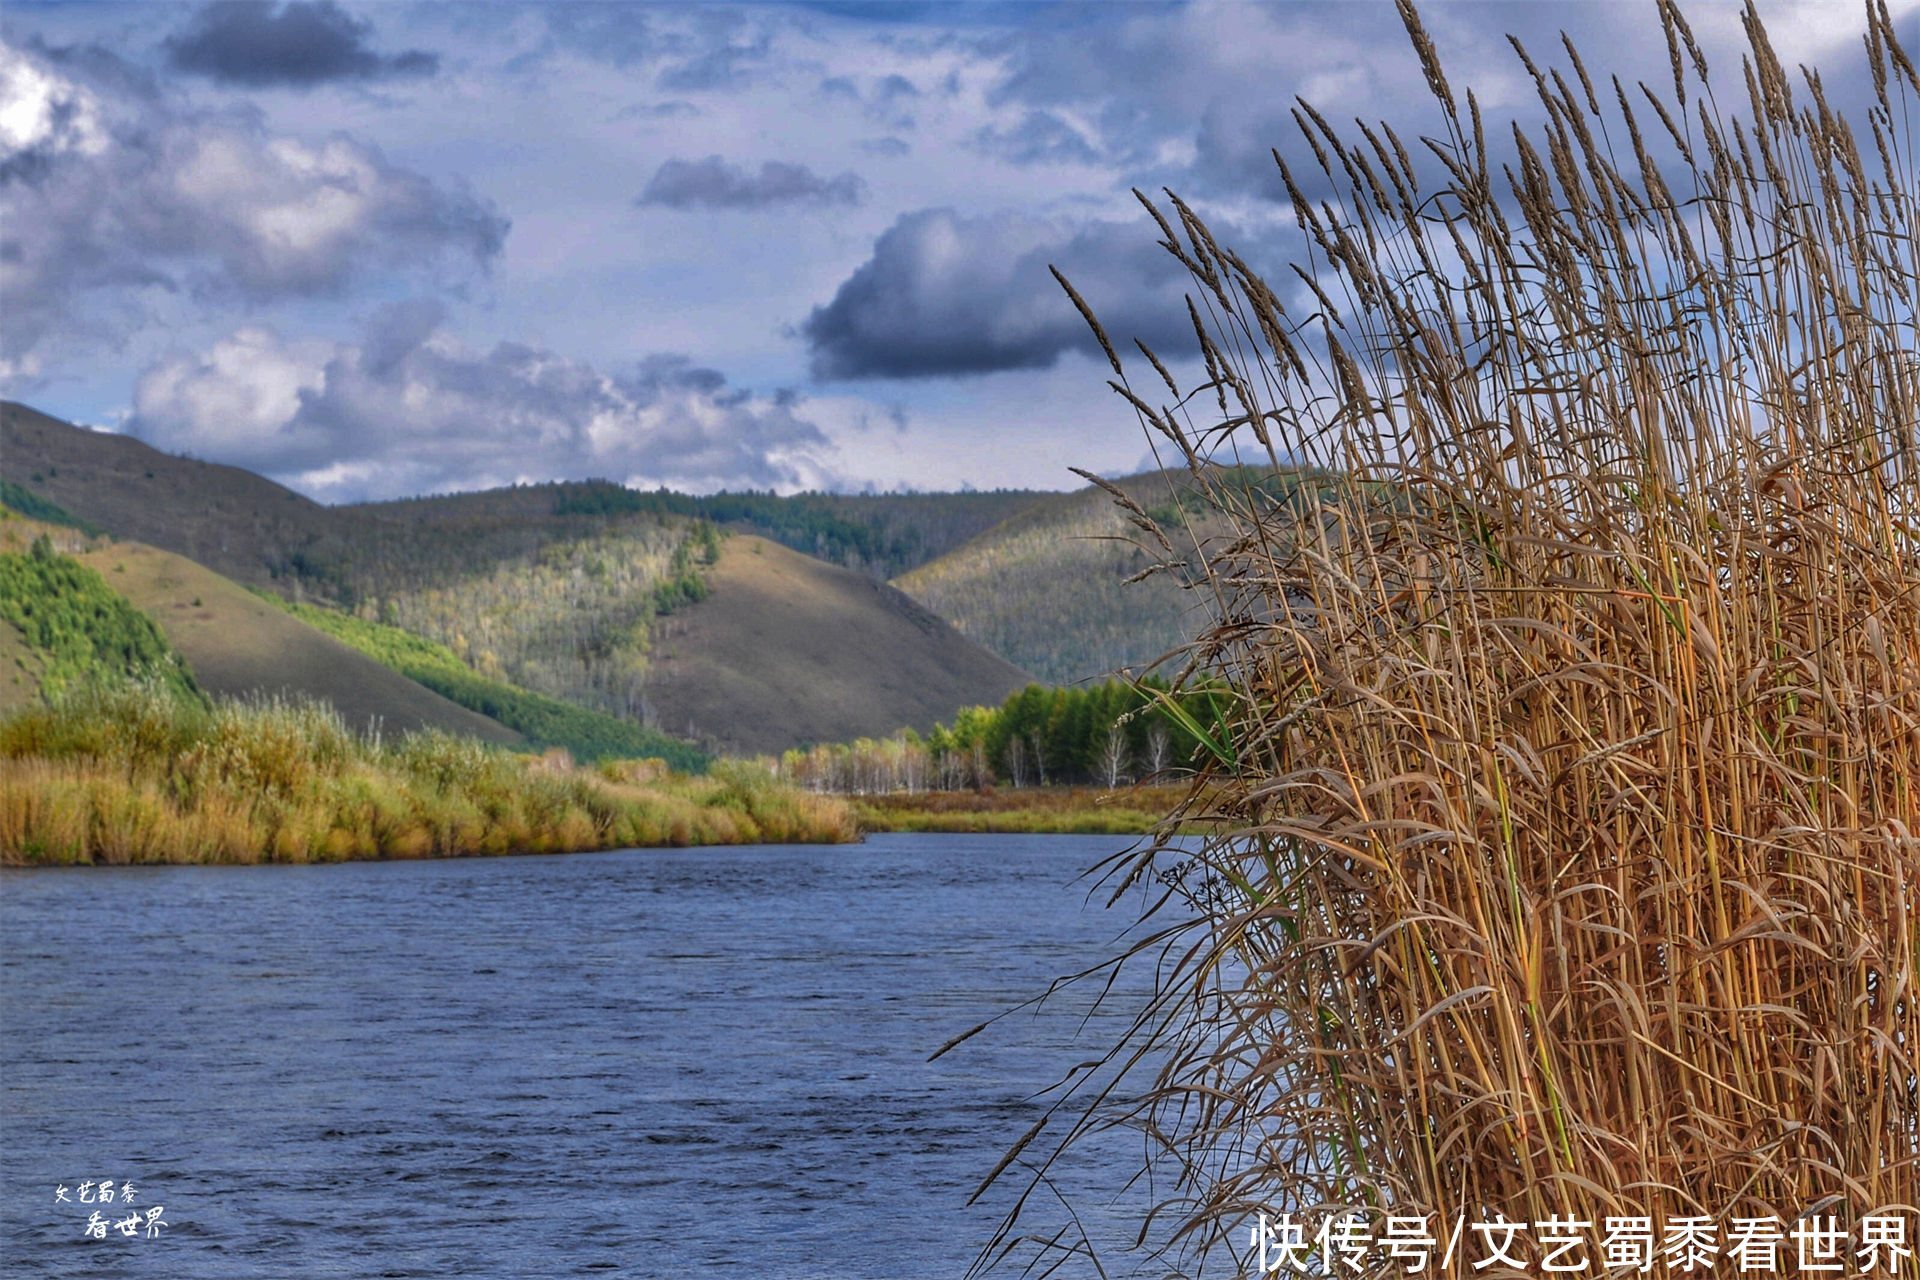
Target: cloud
x=712 y=183
x=408 y=408
x=298 y=44
x=945 y=294
x=1041 y=137
x=121 y=189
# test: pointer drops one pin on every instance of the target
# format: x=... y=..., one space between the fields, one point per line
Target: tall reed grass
x=1573 y=771
x=132 y=774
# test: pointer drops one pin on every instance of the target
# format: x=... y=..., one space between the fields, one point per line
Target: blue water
x=644 y=1063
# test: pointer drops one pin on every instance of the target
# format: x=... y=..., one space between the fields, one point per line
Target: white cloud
x=41 y=112
x=111 y=190
x=409 y=408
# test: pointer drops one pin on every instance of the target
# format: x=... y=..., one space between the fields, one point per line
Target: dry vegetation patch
x=1574 y=773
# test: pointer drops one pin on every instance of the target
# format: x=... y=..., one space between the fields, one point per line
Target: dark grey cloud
x=712 y=183
x=131 y=191
x=944 y=295
x=410 y=409
x=298 y=44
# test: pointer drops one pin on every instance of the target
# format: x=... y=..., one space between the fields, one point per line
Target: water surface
x=647 y=1063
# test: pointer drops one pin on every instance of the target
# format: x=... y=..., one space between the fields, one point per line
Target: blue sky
x=381 y=249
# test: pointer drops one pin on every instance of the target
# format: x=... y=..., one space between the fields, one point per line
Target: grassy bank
x=132 y=775
x=1028 y=810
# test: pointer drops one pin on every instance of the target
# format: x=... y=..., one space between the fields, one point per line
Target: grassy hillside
x=259 y=533
x=231 y=520
x=789 y=650
x=77 y=629
x=546 y=722
x=236 y=644
x=1048 y=589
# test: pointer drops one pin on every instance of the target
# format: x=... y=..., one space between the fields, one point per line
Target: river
x=641 y=1063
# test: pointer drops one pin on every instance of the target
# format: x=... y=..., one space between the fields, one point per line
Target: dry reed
x=120 y=775
x=1573 y=771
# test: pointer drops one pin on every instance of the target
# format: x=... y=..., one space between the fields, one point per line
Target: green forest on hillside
x=879 y=534
x=83 y=630
x=572 y=620
x=31 y=505
x=545 y=721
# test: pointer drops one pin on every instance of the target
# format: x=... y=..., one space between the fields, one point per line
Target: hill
x=68 y=630
x=787 y=649
x=238 y=645
x=234 y=643
x=881 y=534
x=1048 y=588
x=248 y=528
x=260 y=533
x=534 y=588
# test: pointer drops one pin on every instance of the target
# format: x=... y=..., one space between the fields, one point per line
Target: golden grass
x=1026 y=810
x=1574 y=770
x=131 y=776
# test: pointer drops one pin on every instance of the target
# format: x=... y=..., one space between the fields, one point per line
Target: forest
x=1108 y=735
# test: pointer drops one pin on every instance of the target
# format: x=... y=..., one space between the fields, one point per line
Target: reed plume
x=1569 y=793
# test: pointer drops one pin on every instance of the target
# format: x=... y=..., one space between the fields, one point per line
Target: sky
x=375 y=250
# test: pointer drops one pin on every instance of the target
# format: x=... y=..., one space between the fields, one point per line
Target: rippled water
x=648 y=1063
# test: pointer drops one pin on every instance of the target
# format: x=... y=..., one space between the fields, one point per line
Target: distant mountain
x=881 y=534
x=246 y=527
x=1048 y=588
x=536 y=588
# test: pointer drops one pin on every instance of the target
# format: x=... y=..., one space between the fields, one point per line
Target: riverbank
x=1134 y=810
x=136 y=776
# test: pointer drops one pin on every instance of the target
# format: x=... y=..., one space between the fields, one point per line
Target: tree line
x=879 y=534
x=1109 y=735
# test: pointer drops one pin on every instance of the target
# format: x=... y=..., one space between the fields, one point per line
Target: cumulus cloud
x=298 y=44
x=945 y=294
x=712 y=183
x=114 y=188
x=409 y=408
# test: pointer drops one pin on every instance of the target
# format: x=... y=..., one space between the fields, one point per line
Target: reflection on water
x=642 y=1063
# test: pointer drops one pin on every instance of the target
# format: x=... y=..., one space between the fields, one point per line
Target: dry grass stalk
x=1574 y=766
